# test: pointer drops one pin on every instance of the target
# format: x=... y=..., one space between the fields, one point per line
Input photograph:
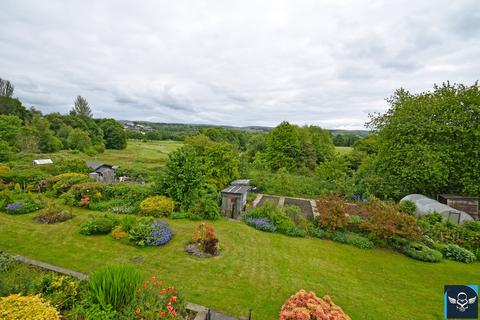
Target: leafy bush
x=60 y=291
x=91 y=190
x=333 y=213
x=407 y=206
x=295 y=232
x=359 y=241
x=21 y=203
x=118 y=233
x=275 y=215
x=306 y=305
x=179 y=215
x=149 y=232
x=153 y=301
x=53 y=214
x=457 y=253
x=340 y=236
x=384 y=222
x=98 y=225
x=418 y=251
x=118 y=206
x=114 y=285
x=205 y=208
x=473 y=225
x=62 y=183
x=18 y=307
x=88 y=310
x=6 y=261
x=131 y=194
x=317 y=232
x=157 y=206
x=204 y=234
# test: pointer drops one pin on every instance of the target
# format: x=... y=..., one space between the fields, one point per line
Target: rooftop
x=236 y=189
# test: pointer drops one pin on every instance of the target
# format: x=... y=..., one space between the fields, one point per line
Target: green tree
x=182 y=177
x=9 y=128
x=323 y=144
x=79 y=140
x=47 y=142
x=27 y=139
x=13 y=107
x=220 y=164
x=113 y=134
x=81 y=107
x=283 y=146
x=6 y=151
x=427 y=143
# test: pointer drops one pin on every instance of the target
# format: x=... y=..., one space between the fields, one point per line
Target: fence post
x=249 y=314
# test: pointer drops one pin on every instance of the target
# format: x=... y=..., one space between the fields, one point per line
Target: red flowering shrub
x=333 y=213
x=153 y=301
x=307 y=306
x=205 y=235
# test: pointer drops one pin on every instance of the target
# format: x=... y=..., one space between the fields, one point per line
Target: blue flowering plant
x=147 y=232
x=24 y=203
x=261 y=224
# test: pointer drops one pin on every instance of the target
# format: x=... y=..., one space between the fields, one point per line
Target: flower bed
x=261 y=224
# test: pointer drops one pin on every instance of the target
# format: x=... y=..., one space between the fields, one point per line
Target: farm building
x=234 y=198
x=426 y=205
x=101 y=172
x=40 y=162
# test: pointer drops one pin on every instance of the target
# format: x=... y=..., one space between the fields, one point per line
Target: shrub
x=317 y=232
x=384 y=222
x=179 y=215
x=205 y=208
x=205 y=235
x=340 y=236
x=6 y=261
x=306 y=305
x=472 y=225
x=60 y=291
x=23 y=203
x=295 y=232
x=420 y=251
x=53 y=214
x=91 y=190
x=261 y=224
x=275 y=215
x=457 y=253
x=114 y=285
x=359 y=241
x=62 y=183
x=98 y=225
x=131 y=194
x=153 y=301
x=88 y=310
x=157 y=206
x=18 y=307
x=127 y=222
x=333 y=213
x=150 y=233
x=407 y=206
x=118 y=206
x=118 y=233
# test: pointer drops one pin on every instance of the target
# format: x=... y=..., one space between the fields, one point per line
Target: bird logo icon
x=462 y=301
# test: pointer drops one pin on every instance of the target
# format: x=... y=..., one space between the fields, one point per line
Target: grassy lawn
x=256 y=270
x=343 y=150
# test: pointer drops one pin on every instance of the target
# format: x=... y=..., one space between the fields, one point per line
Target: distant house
x=101 y=172
x=40 y=162
x=234 y=198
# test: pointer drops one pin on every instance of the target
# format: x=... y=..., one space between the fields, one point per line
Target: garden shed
x=427 y=205
x=234 y=198
x=101 y=172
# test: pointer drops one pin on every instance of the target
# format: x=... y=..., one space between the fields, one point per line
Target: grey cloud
x=235 y=63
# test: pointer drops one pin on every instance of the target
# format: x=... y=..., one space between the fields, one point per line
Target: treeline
x=28 y=130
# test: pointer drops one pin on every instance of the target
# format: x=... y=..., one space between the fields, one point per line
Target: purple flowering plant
x=11 y=208
x=148 y=232
x=160 y=234
x=261 y=224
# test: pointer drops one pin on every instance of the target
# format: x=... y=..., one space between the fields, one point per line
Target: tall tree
x=6 y=88
x=81 y=107
x=283 y=146
x=113 y=134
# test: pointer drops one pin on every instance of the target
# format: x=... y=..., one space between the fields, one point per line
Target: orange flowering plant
x=154 y=301
x=307 y=306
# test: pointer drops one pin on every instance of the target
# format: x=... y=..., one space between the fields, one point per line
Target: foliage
x=283 y=146
x=333 y=213
x=19 y=203
x=130 y=193
x=261 y=224
x=79 y=140
x=118 y=206
x=457 y=253
x=113 y=134
x=62 y=183
x=353 y=239
x=417 y=250
x=53 y=214
x=92 y=190
x=306 y=305
x=205 y=235
x=114 y=285
x=438 y=156
x=118 y=233
x=179 y=215
x=276 y=215
x=407 y=206
x=61 y=291
x=81 y=107
x=205 y=208
x=6 y=261
x=18 y=307
x=157 y=206
x=98 y=225
x=149 y=232
x=152 y=301
x=182 y=177
x=88 y=310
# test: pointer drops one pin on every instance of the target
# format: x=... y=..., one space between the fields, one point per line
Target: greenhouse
x=427 y=205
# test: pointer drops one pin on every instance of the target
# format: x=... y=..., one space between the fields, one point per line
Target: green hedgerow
x=98 y=225
x=457 y=253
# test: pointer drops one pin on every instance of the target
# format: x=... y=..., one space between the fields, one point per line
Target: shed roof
x=95 y=165
x=236 y=189
x=241 y=182
x=43 y=161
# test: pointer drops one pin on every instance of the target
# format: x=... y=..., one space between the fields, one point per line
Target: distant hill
x=147 y=126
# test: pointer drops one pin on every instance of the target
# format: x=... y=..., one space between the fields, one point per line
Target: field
x=343 y=150
x=255 y=269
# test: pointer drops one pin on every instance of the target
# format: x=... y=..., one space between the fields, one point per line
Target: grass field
x=343 y=150
x=148 y=155
x=255 y=270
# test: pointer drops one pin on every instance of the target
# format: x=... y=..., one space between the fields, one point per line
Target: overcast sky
x=241 y=62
